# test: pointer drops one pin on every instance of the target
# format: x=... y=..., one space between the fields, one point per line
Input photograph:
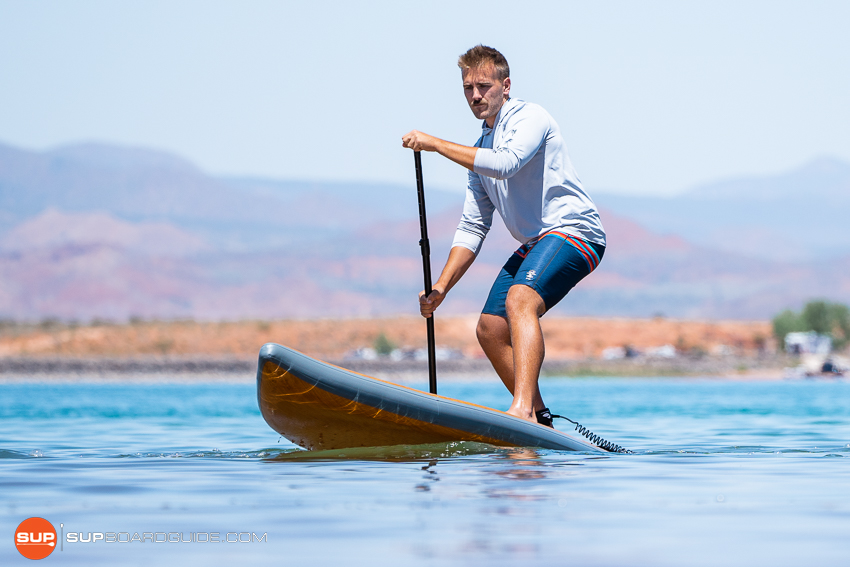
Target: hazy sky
x=653 y=97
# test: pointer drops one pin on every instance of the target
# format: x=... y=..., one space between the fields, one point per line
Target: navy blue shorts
x=551 y=265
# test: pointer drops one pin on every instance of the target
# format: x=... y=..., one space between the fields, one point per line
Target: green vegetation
x=821 y=316
x=49 y=323
x=383 y=345
x=588 y=369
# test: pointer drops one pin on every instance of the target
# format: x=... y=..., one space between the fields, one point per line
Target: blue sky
x=653 y=97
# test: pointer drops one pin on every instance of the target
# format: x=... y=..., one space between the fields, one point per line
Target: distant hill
x=138 y=184
x=100 y=231
x=799 y=215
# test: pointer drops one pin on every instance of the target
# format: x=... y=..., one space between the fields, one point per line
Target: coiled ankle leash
x=545 y=417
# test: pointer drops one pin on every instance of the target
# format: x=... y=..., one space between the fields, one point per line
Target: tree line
x=823 y=317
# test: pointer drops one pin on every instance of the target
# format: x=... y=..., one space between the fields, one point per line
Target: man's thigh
x=495 y=304
x=555 y=265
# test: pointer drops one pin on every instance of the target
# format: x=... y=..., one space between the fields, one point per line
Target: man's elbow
x=506 y=174
x=506 y=169
x=501 y=165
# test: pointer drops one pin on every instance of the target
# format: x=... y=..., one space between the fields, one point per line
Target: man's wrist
x=440 y=146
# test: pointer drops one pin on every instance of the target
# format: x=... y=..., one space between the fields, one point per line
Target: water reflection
x=430 y=476
x=394 y=453
x=524 y=464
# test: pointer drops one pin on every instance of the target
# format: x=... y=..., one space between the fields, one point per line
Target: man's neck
x=491 y=122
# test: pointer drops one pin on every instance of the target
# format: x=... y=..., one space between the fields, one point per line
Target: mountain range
x=799 y=215
x=100 y=231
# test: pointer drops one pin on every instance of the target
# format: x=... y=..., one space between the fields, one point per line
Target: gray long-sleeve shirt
x=522 y=170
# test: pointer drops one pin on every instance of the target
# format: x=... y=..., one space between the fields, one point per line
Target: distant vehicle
x=809 y=342
x=830 y=367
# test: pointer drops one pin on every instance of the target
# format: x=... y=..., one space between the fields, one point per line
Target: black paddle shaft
x=426 y=269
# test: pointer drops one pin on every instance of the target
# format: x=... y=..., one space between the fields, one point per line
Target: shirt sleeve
x=477 y=217
x=523 y=136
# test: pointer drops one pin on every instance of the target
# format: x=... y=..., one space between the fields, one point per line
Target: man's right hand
x=422 y=142
x=427 y=305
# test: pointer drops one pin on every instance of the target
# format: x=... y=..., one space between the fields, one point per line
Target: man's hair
x=482 y=55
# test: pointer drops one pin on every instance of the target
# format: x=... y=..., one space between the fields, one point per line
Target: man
x=520 y=168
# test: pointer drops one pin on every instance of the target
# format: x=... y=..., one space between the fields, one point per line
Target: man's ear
x=507 y=87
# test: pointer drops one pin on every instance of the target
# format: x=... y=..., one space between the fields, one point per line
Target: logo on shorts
x=530 y=275
x=35 y=538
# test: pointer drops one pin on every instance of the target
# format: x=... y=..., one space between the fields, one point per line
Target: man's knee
x=523 y=300
x=483 y=331
x=489 y=327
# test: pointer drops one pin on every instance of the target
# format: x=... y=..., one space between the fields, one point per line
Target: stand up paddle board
x=320 y=406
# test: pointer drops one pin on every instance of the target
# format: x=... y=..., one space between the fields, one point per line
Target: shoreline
x=567 y=338
x=242 y=369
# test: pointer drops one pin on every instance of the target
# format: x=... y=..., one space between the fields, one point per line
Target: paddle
x=426 y=269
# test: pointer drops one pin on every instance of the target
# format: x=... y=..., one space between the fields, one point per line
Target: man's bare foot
x=527 y=415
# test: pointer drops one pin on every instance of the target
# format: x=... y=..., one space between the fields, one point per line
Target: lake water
x=725 y=473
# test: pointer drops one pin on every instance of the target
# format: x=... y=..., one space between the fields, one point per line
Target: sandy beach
x=176 y=350
x=566 y=338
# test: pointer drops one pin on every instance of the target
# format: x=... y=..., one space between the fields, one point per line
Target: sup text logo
x=35 y=538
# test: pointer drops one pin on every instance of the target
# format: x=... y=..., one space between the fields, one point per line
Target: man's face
x=484 y=92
